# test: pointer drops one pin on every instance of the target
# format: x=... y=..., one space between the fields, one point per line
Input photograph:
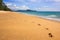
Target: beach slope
x=16 y=26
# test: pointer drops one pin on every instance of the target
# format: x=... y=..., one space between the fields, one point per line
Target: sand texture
x=15 y=26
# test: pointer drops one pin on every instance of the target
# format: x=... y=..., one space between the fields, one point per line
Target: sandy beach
x=16 y=26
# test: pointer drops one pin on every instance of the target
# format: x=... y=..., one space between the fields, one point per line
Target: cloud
x=11 y=5
x=33 y=0
x=41 y=5
x=24 y=7
x=15 y=7
x=52 y=0
x=19 y=1
x=56 y=0
x=8 y=4
x=47 y=8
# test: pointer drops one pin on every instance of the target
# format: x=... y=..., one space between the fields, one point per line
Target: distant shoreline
x=35 y=16
x=40 y=17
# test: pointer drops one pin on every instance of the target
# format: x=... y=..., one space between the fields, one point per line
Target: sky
x=39 y=5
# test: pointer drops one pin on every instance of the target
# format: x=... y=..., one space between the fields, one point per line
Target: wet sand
x=15 y=26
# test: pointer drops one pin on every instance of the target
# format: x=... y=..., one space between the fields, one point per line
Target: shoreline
x=36 y=16
x=51 y=19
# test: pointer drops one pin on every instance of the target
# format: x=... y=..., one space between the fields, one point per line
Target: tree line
x=3 y=6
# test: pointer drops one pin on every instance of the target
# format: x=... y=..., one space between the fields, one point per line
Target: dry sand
x=15 y=26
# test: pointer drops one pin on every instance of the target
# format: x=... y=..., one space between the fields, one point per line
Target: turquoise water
x=48 y=15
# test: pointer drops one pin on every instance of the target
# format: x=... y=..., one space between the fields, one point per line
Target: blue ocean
x=45 y=14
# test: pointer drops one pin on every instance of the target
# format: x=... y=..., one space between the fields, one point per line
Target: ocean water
x=45 y=14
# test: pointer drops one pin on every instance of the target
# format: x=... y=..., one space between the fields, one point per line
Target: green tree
x=3 y=6
x=0 y=4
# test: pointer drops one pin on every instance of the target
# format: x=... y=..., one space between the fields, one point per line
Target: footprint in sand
x=50 y=35
x=39 y=24
x=46 y=28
